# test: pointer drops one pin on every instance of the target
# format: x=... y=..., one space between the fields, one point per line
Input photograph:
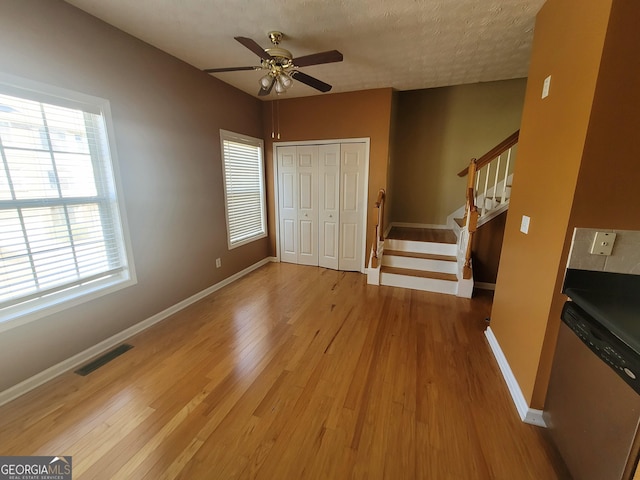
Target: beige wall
x=437 y=132
x=343 y=115
x=568 y=45
x=166 y=117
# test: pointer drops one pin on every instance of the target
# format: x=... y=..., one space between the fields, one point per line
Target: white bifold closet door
x=321 y=201
x=329 y=201
x=352 y=205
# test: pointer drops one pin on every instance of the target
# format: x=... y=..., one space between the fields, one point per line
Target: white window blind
x=60 y=229
x=243 y=187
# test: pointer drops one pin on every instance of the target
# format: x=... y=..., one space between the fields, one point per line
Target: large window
x=243 y=188
x=61 y=234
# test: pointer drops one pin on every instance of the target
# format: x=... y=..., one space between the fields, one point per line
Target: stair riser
x=419 y=283
x=424 y=264
x=421 y=247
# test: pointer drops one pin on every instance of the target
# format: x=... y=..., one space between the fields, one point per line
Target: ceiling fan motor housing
x=280 y=61
x=279 y=56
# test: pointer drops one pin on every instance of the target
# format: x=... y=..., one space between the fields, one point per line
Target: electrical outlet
x=218 y=263
x=524 y=224
x=603 y=243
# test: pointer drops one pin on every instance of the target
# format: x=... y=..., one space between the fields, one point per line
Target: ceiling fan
x=281 y=67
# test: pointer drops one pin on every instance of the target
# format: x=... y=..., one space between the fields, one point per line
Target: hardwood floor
x=293 y=372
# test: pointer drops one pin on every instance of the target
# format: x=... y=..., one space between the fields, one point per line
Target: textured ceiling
x=404 y=44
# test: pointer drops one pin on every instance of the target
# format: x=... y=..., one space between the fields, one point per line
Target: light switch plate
x=603 y=243
x=545 y=87
x=524 y=225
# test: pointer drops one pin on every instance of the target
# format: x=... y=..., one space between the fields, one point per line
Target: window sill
x=27 y=312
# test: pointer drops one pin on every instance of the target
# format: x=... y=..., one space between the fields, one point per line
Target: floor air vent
x=103 y=360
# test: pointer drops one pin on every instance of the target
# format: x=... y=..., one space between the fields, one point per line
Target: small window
x=244 y=192
x=61 y=234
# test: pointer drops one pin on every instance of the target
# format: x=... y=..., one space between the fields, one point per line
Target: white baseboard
x=527 y=415
x=485 y=286
x=80 y=358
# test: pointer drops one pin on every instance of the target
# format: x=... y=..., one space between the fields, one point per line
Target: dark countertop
x=620 y=314
x=613 y=299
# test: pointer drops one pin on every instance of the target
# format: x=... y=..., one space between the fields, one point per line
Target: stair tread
x=460 y=221
x=426 y=256
x=419 y=273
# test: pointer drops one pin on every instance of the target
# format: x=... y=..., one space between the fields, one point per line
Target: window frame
x=226 y=135
x=77 y=292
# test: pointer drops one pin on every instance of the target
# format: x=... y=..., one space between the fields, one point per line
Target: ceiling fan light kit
x=281 y=67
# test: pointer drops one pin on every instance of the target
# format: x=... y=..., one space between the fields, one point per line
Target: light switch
x=524 y=225
x=603 y=243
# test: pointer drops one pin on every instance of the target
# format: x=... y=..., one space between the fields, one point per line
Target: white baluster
x=506 y=174
x=486 y=184
x=495 y=183
x=477 y=185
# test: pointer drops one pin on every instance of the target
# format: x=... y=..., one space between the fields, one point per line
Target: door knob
x=330 y=216
x=306 y=215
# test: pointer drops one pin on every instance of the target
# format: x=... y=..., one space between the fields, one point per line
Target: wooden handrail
x=502 y=147
x=467 y=273
x=471 y=209
x=471 y=217
x=379 y=229
x=380 y=205
x=472 y=226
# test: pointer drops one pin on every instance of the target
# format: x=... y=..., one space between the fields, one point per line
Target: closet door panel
x=329 y=203
x=288 y=206
x=288 y=233
x=307 y=177
x=349 y=242
x=352 y=205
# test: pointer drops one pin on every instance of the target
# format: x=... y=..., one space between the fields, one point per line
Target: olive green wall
x=437 y=132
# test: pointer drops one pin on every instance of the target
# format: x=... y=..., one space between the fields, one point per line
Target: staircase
x=420 y=264
x=439 y=260
x=421 y=259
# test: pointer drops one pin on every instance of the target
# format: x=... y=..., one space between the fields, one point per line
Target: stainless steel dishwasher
x=593 y=403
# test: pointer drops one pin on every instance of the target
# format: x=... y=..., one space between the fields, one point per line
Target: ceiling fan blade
x=229 y=69
x=311 y=81
x=266 y=91
x=318 y=58
x=254 y=47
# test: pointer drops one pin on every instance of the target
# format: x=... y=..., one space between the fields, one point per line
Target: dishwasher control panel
x=613 y=351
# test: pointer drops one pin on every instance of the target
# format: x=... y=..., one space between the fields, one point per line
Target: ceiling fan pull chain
x=278 y=117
